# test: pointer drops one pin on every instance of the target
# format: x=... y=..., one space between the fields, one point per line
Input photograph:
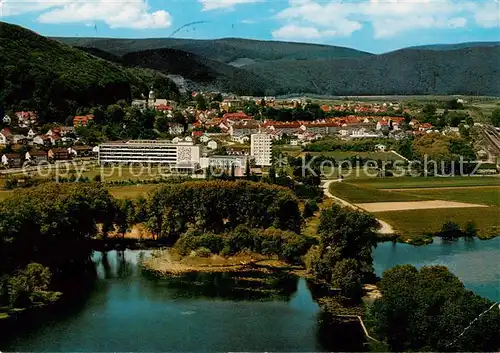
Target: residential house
x=231 y=103
x=83 y=151
x=212 y=145
x=204 y=138
x=380 y=147
x=12 y=160
x=243 y=139
x=58 y=154
x=244 y=128
x=82 y=120
x=7 y=120
x=323 y=128
x=31 y=134
x=287 y=127
x=66 y=130
x=37 y=156
x=175 y=129
x=232 y=118
x=39 y=140
x=5 y=136
x=21 y=139
x=26 y=119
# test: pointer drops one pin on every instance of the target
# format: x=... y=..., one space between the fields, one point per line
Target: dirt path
x=385 y=229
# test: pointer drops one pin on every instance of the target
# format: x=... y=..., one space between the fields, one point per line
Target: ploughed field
x=418 y=207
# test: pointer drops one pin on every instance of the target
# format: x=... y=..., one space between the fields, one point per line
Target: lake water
x=126 y=309
x=129 y=310
x=476 y=262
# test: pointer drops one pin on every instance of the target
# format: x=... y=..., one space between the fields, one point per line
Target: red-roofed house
x=5 y=136
x=82 y=120
x=26 y=119
x=233 y=117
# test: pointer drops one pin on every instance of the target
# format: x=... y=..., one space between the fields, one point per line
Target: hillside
x=456 y=46
x=200 y=71
x=55 y=79
x=474 y=71
x=225 y=50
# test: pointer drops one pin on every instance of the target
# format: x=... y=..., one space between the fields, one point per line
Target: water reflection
x=128 y=309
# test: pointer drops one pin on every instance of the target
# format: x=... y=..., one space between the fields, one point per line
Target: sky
x=375 y=26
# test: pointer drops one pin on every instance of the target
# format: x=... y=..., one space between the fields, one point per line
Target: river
x=476 y=262
x=130 y=310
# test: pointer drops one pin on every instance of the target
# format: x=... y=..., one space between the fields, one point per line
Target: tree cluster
x=49 y=225
x=287 y=245
x=220 y=205
x=429 y=309
x=343 y=257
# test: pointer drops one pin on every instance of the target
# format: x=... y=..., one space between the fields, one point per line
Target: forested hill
x=56 y=79
x=456 y=46
x=226 y=50
x=276 y=68
x=474 y=71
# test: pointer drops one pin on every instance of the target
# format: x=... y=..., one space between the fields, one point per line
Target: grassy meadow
x=417 y=224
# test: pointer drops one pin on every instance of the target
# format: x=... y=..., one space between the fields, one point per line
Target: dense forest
x=225 y=50
x=287 y=68
x=55 y=79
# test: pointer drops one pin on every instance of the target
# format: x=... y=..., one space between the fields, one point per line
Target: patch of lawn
x=415 y=224
x=427 y=182
x=357 y=194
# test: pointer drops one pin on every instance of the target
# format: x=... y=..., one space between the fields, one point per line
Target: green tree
x=347 y=277
x=30 y=286
x=201 y=103
x=427 y=310
x=450 y=230
x=495 y=117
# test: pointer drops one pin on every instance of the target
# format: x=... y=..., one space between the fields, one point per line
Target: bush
x=470 y=229
x=187 y=243
x=450 y=230
x=203 y=252
x=309 y=208
x=215 y=243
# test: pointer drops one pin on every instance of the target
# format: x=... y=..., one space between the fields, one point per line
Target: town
x=214 y=129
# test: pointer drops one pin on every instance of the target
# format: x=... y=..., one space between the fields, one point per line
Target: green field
x=417 y=224
x=488 y=195
x=356 y=194
x=427 y=182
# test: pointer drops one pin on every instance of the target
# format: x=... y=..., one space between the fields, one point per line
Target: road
x=385 y=229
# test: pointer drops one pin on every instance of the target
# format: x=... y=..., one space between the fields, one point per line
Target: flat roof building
x=261 y=149
x=148 y=152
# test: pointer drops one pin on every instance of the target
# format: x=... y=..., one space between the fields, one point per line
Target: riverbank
x=167 y=262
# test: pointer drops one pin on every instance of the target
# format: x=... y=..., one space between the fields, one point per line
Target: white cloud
x=386 y=17
x=488 y=16
x=291 y=32
x=116 y=14
x=209 y=5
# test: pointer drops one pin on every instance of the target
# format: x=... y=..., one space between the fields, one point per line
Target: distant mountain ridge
x=456 y=46
x=40 y=72
x=225 y=50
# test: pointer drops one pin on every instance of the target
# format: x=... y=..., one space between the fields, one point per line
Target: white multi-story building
x=261 y=149
x=149 y=151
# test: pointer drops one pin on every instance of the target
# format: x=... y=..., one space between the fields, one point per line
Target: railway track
x=493 y=137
